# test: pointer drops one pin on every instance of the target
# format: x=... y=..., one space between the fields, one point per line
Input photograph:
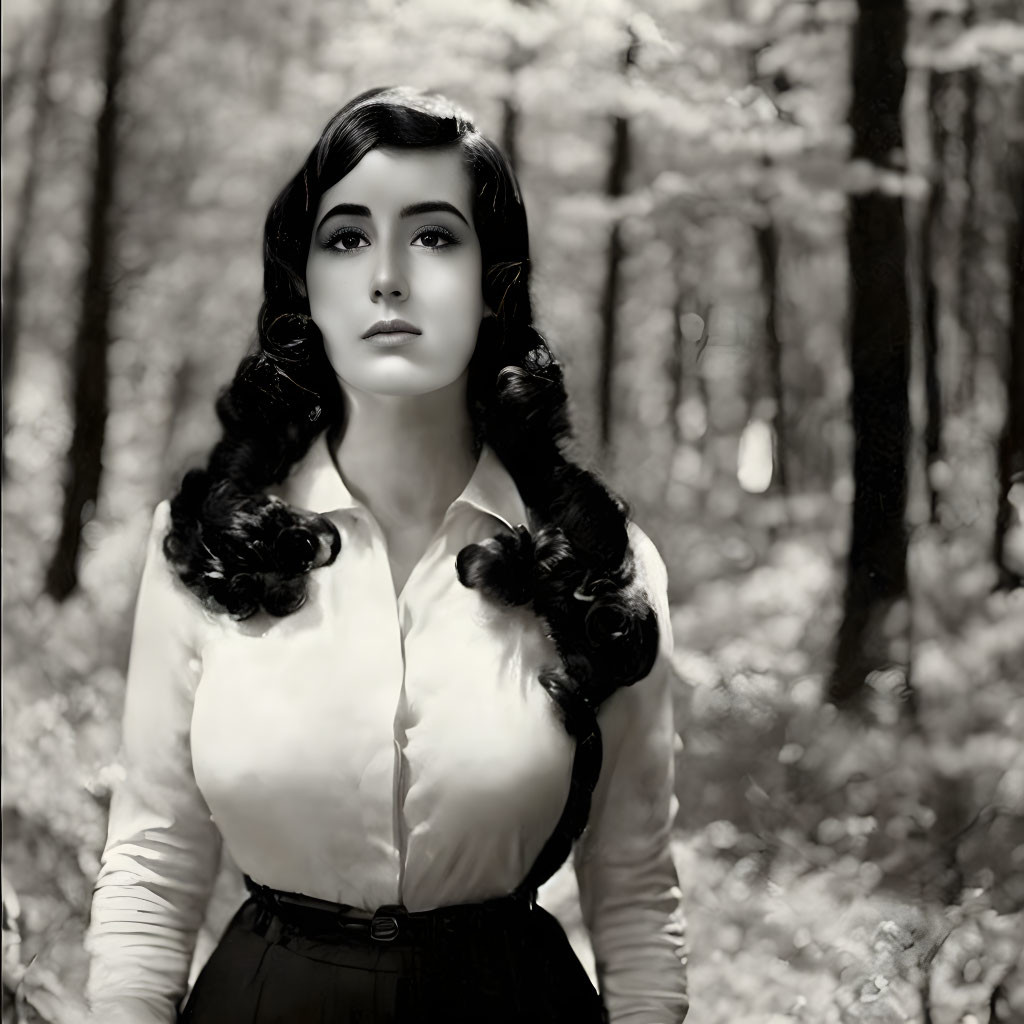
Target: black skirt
x=500 y=961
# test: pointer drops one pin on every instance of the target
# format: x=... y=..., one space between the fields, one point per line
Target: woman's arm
x=629 y=888
x=162 y=848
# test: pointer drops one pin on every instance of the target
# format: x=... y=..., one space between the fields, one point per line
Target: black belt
x=387 y=922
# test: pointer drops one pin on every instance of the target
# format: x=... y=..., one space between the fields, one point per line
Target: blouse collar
x=315 y=484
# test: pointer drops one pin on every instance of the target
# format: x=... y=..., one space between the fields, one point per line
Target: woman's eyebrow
x=434 y=206
x=431 y=206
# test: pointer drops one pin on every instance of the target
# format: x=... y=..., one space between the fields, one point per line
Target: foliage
x=868 y=859
x=836 y=866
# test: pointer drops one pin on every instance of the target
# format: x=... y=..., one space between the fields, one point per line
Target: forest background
x=778 y=248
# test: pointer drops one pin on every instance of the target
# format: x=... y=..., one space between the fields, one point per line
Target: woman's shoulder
x=652 y=576
x=161 y=520
x=159 y=529
x=636 y=706
x=161 y=580
x=649 y=563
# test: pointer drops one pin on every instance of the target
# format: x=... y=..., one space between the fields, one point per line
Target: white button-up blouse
x=374 y=749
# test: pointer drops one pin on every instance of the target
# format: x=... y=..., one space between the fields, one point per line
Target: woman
x=392 y=647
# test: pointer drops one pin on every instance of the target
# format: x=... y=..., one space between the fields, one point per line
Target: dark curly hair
x=241 y=550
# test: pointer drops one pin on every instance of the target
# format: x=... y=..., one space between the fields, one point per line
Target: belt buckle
x=384 y=926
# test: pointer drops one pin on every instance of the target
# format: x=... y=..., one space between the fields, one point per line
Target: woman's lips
x=391 y=327
x=391 y=339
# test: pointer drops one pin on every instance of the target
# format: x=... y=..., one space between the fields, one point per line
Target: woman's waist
x=390 y=922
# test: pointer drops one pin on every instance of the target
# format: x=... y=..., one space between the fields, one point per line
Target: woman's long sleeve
x=629 y=888
x=162 y=847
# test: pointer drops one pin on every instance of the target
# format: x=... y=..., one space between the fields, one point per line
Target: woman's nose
x=388 y=281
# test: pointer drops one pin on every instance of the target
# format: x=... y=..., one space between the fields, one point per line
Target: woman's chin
x=406 y=383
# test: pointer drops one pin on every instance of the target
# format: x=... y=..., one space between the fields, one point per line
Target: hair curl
x=241 y=550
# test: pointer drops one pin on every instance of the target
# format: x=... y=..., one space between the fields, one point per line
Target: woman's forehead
x=387 y=179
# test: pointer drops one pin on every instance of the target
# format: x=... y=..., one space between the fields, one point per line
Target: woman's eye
x=346 y=241
x=435 y=238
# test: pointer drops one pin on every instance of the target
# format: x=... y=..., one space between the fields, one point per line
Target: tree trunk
x=674 y=370
x=968 y=249
x=676 y=366
x=617 y=171
x=1011 y=439
x=516 y=57
x=510 y=130
x=938 y=83
x=13 y=79
x=92 y=337
x=879 y=355
x=14 y=263
x=766 y=239
x=701 y=380
x=181 y=387
x=768 y=254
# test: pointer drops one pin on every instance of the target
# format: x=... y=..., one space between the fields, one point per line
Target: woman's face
x=394 y=240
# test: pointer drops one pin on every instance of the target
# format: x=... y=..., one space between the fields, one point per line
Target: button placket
x=395 y=602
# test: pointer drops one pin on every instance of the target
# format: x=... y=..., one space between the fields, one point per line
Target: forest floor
x=857 y=865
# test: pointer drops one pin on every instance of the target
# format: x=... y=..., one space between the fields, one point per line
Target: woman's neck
x=406 y=457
